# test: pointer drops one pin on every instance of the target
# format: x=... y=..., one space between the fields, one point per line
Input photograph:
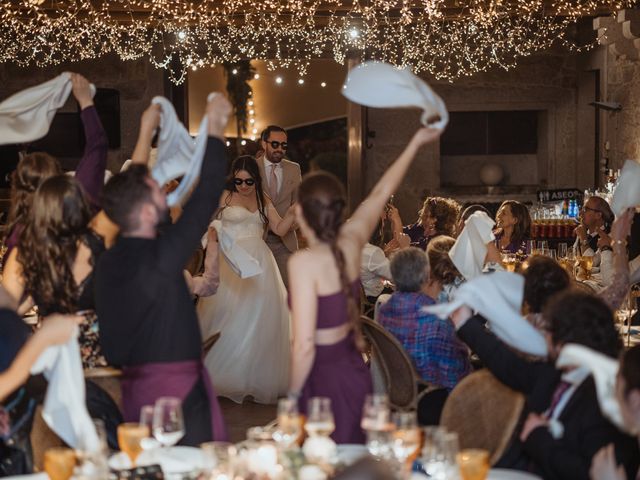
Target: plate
x=348 y=454
x=171 y=460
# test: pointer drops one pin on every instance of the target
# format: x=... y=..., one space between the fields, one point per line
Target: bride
x=251 y=358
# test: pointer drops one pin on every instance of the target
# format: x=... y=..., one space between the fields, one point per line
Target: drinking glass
x=168 y=424
x=59 y=463
x=552 y=253
x=586 y=264
x=562 y=250
x=289 y=424
x=509 y=261
x=543 y=247
x=376 y=413
x=432 y=457
x=130 y=438
x=320 y=417
x=406 y=437
x=219 y=460
x=473 y=463
x=146 y=418
x=531 y=247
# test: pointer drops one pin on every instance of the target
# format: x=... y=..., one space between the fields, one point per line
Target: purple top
x=89 y=172
x=513 y=246
x=333 y=309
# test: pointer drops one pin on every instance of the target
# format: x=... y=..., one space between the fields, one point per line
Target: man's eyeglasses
x=247 y=181
x=276 y=144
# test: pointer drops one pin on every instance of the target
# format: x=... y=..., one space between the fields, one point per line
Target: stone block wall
x=137 y=81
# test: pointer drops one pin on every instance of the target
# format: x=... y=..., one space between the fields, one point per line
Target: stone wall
x=556 y=82
x=137 y=81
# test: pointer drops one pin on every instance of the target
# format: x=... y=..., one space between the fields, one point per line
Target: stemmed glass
x=376 y=423
x=289 y=425
x=406 y=438
x=320 y=417
x=146 y=418
x=168 y=424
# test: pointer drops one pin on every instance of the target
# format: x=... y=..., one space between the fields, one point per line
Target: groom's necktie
x=273 y=182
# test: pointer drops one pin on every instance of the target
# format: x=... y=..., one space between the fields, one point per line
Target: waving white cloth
x=497 y=296
x=627 y=192
x=604 y=371
x=178 y=153
x=65 y=410
x=239 y=259
x=377 y=84
x=470 y=249
x=26 y=116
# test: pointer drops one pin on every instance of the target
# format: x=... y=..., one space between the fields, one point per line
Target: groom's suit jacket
x=291 y=178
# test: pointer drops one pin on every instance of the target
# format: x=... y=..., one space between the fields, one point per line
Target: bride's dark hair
x=323 y=202
x=249 y=165
x=48 y=247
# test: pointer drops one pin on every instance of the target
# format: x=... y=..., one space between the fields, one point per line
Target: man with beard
x=281 y=179
x=148 y=324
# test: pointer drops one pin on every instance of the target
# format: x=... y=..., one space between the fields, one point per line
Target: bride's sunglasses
x=247 y=181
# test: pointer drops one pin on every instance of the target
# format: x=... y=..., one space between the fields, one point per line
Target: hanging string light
x=447 y=38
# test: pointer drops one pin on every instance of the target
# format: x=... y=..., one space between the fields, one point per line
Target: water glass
x=289 y=423
x=562 y=250
x=432 y=456
x=376 y=413
x=319 y=417
x=168 y=423
x=146 y=418
x=406 y=438
x=531 y=247
x=552 y=253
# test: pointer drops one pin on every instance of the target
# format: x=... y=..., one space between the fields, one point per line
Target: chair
x=391 y=368
x=483 y=412
x=209 y=342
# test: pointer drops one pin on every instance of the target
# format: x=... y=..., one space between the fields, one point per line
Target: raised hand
x=218 y=112
x=81 y=89
x=150 y=119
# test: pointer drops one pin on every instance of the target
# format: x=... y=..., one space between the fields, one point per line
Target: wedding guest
x=444 y=277
x=374 y=270
x=431 y=343
x=148 y=321
x=543 y=278
x=466 y=213
x=326 y=360
x=513 y=224
x=565 y=426
x=627 y=391
x=438 y=216
x=36 y=167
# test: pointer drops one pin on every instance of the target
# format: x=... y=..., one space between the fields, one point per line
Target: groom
x=281 y=179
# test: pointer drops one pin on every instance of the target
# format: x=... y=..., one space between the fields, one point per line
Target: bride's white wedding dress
x=251 y=358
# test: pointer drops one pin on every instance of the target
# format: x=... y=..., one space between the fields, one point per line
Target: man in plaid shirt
x=439 y=357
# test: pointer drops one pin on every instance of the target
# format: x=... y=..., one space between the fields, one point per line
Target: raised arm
x=304 y=310
x=179 y=241
x=616 y=272
x=365 y=218
x=149 y=122
x=90 y=170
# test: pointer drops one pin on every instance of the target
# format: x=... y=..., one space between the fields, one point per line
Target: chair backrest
x=390 y=360
x=483 y=412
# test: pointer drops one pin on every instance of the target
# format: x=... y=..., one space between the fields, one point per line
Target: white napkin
x=64 y=409
x=627 y=192
x=604 y=371
x=26 y=116
x=469 y=251
x=377 y=84
x=178 y=153
x=497 y=296
x=239 y=259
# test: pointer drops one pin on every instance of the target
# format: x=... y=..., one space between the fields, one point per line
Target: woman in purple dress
x=327 y=339
x=514 y=227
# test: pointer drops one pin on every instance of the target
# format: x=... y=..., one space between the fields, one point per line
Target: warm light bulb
x=256 y=76
x=279 y=80
x=301 y=81
x=234 y=71
x=243 y=142
x=323 y=84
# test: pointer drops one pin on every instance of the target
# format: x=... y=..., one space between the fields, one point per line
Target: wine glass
x=449 y=446
x=586 y=263
x=531 y=247
x=168 y=424
x=432 y=456
x=406 y=437
x=146 y=418
x=473 y=463
x=562 y=250
x=376 y=413
x=320 y=417
x=130 y=438
x=289 y=425
x=509 y=261
x=59 y=463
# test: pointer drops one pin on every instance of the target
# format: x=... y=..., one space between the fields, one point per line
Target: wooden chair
x=209 y=342
x=392 y=371
x=483 y=412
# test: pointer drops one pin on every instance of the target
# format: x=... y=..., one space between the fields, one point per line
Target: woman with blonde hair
x=444 y=278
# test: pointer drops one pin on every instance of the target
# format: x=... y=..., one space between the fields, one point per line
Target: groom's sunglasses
x=275 y=144
x=247 y=181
